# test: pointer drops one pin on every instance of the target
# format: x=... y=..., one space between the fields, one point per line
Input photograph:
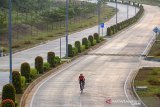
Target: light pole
x=67 y=3
x=127 y=10
x=135 y=7
x=98 y=8
x=10 y=37
x=116 y=11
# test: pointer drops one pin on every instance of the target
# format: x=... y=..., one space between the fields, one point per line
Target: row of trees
x=115 y=28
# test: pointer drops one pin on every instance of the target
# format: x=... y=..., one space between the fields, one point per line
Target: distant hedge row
x=115 y=28
x=86 y=44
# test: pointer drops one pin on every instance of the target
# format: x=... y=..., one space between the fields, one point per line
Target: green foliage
x=85 y=42
x=25 y=71
x=8 y=92
x=39 y=64
x=16 y=81
x=50 y=59
x=154 y=72
x=94 y=42
x=46 y=66
x=70 y=52
x=121 y=25
x=23 y=81
x=96 y=37
x=7 y=103
x=154 y=81
x=74 y=51
x=3 y=22
x=57 y=60
x=90 y=38
x=109 y=33
x=78 y=46
x=33 y=73
x=83 y=48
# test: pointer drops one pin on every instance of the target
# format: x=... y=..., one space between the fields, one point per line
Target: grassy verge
x=31 y=40
x=155 y=50
x=149 y=77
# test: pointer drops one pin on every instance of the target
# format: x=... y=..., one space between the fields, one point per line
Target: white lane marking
x=125 y=91
x=52 y=77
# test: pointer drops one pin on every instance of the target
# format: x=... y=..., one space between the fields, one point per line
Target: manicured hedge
x=33 y=73
x=39 y=64
x=46 y=66
x=8 y=92
x=16 y=81
x=121 y=25
x=96 y=37
x=7 y=103
x=70 y=52
x=50 y=59
x=90 y=38
x=77 y=44
x=25 y=71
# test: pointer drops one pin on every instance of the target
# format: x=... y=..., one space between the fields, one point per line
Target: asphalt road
x=106 y=69
x=41 y=50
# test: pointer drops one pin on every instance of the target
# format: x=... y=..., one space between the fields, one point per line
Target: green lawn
x=149 y=77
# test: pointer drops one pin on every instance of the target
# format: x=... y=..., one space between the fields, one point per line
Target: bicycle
x=81 y=86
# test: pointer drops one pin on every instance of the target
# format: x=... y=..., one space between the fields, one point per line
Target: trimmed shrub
x=101 y=38
x=90 y=38
x=33 y=73
x=23 y=81
x=109 y=32
x=70 y=53
x=50 y=59
x=84 y=42
x=25 y=71
x=39 y=64
x=7 y=103
x=8 y=92
x=74 y=51
x=57 y=60
x=46 y=66
x=78 y=46
x=16 y=81
x=94 y=42
x=96 y=37
x=83 y=48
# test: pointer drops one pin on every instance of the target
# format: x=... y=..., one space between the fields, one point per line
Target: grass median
x=150 y=78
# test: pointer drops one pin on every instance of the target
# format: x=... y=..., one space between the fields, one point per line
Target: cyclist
x=81 y=80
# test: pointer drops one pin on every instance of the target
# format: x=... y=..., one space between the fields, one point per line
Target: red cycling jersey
x=81 y=78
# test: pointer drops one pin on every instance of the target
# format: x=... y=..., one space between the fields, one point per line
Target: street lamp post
x=116 y=11
x=10 y=37
x=127 y=10
x=98 y=4
x=67 y=3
